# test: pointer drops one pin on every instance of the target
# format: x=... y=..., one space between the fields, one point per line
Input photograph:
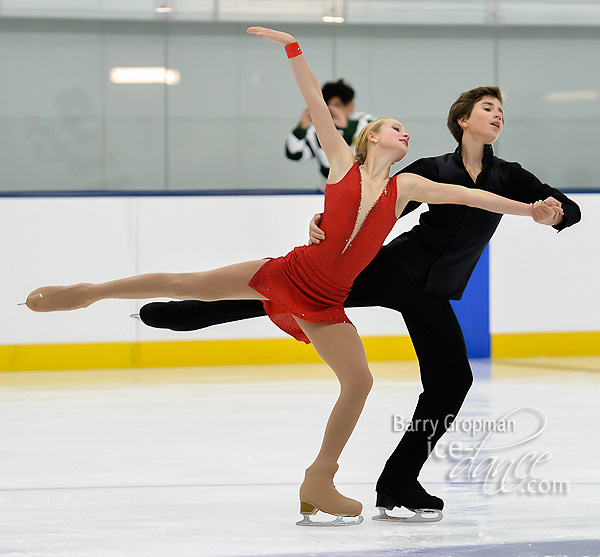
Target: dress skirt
x=294 y=287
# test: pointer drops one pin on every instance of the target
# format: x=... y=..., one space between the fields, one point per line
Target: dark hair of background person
x=339 y=89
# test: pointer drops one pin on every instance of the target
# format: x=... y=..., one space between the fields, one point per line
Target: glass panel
x=552 y=120
x=68 y=127
x=50 y=106
x=134 y=114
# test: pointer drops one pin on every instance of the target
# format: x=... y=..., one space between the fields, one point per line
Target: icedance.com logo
x=478 y=457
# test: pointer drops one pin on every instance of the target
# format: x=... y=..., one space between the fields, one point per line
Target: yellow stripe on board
x=125 y=355
x=526 y=345
x=184 y=353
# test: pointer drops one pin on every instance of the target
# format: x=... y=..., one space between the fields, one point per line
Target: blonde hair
x=360 y=151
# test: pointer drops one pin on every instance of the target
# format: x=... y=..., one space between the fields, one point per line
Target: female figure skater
x=303 y=292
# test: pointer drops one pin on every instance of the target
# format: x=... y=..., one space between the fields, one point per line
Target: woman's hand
x=270 y=34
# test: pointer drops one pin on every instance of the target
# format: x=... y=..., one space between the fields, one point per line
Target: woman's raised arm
x=336 y=149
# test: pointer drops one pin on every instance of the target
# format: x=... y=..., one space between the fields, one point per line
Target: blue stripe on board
x=473 y=311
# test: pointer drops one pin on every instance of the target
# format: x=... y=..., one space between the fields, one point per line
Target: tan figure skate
x=317 y=493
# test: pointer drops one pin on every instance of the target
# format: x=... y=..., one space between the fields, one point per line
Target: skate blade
x=422 y=516
x=339 y=521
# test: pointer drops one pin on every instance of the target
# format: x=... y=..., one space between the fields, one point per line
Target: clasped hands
x=547 y=212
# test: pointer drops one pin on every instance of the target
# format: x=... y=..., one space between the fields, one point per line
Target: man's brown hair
x=463 y=106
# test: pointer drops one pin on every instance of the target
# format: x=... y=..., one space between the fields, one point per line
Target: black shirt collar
x=488 y=154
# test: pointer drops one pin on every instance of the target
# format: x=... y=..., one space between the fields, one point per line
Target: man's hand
x=315 y=234
x=305 y=119
x=547 y=212
x=338 y=117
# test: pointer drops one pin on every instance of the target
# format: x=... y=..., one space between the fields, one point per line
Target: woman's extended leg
x=225 y=283
x=341 y=348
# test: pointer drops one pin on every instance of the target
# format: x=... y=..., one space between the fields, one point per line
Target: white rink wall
x=543 y=281
x=68 y=240
x=540 y=280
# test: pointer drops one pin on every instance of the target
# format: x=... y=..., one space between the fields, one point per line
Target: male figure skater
x=417 y=274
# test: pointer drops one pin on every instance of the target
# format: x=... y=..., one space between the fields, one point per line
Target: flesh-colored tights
x=338 y=344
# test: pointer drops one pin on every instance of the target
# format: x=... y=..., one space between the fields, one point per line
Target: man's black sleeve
x=527 y=187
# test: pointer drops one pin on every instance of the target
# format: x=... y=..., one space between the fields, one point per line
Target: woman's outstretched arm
x=417 y=188
x=337 y=151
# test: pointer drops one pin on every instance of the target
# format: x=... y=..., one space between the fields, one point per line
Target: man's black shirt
x=443 y=249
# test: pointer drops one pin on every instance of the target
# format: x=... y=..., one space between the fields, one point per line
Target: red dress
x=312 y=282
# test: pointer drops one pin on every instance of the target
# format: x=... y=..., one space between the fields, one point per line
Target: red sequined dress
x=312 y=282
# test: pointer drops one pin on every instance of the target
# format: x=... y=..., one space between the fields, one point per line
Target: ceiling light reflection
x=333 y=19
x=129 y=76
x=571 y=96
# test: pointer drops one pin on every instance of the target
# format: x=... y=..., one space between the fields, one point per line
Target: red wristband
x=293 y=49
